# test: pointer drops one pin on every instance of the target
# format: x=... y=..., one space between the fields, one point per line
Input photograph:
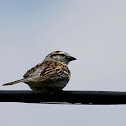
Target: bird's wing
x=32 y=70
x=48 y=71
x=53 y=72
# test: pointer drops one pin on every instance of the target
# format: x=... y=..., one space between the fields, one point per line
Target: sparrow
x=50 y=75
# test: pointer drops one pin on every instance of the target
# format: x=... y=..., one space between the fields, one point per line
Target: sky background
x=92 y=31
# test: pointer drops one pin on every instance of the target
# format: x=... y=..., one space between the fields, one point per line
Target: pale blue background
x=93 y=31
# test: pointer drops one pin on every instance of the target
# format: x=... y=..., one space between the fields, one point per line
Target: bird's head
x=59 y=56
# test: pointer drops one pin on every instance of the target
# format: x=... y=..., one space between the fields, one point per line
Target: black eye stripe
x=58 y=54
x=62 y=54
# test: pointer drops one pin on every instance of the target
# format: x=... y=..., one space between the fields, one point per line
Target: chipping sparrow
x=50 y=75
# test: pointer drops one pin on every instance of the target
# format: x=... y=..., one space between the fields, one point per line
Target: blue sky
x=92 y=31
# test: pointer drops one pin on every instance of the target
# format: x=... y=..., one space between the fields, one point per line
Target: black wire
x=73 y=97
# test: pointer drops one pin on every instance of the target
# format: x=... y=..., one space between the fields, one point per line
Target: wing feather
x=54 y=74
x=32 y=70
x=48 y=71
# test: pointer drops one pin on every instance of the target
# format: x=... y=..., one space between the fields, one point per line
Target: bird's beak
x=71 y=58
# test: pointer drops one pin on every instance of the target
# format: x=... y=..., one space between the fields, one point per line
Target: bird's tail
x=14 y=82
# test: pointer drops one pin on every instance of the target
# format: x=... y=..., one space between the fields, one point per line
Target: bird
x=49 y=76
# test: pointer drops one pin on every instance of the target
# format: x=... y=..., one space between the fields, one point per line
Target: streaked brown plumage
x=50 y=75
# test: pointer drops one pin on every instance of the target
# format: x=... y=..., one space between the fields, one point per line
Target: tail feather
x=14 y=82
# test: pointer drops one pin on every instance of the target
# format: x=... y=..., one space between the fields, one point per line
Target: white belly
x=47 y=87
